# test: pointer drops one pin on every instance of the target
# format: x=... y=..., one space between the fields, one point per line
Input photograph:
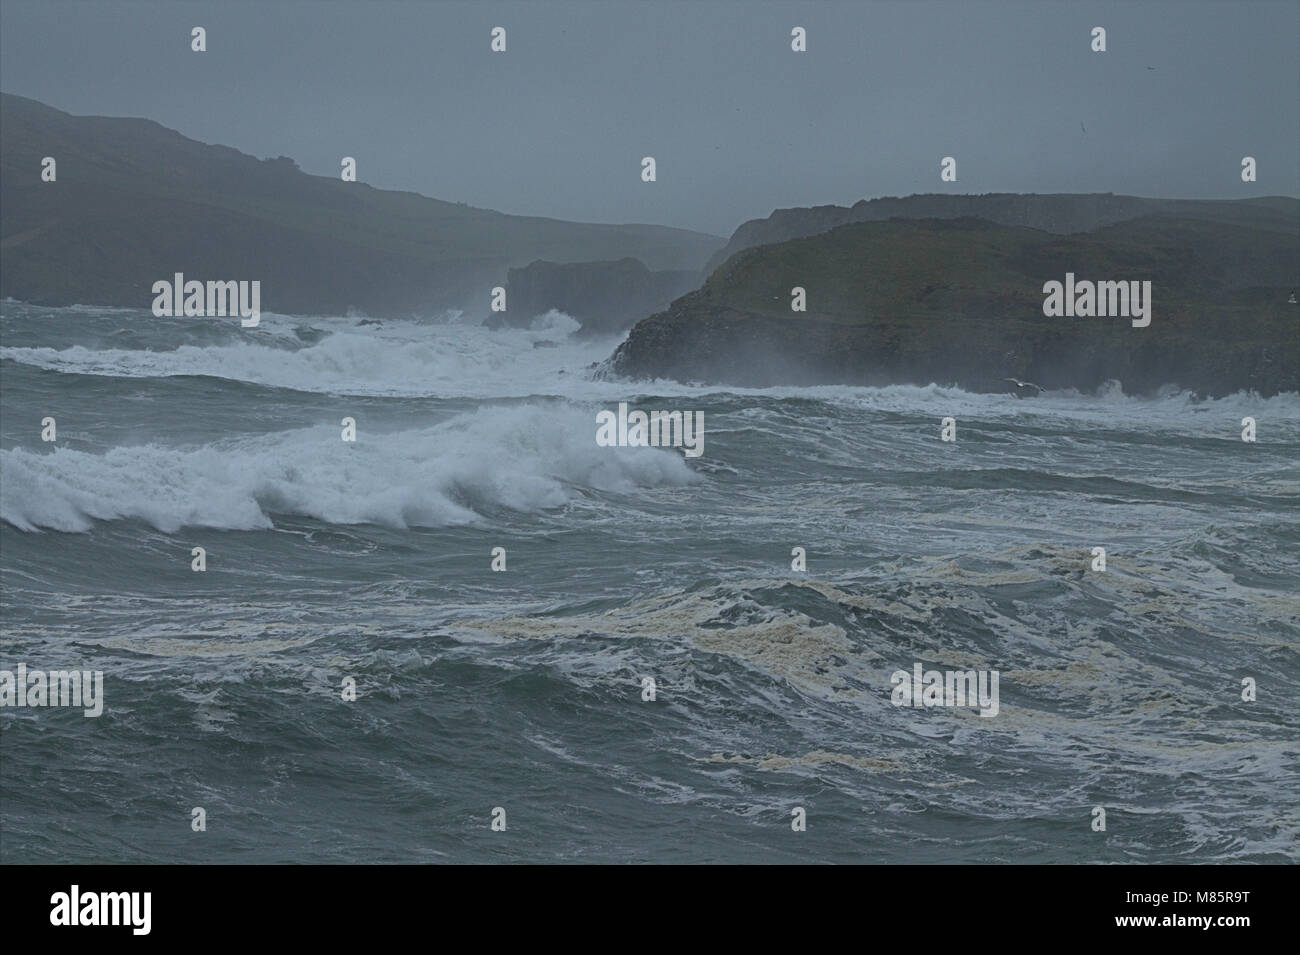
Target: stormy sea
x=475 y=613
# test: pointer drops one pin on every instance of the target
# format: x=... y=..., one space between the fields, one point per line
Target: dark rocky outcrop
x=606 y=297
x=961 y=302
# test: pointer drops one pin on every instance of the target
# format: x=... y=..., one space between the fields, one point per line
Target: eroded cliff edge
x=960 y=301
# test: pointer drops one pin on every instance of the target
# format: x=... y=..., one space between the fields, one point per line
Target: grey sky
x=737 y=122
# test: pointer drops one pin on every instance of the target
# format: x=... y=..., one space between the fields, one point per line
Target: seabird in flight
x=1025 y=389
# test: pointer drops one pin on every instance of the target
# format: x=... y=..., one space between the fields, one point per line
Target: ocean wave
x=386 y=359
x=450 y=357
x=527 y=457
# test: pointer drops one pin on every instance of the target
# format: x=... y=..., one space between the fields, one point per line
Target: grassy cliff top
x=859 y=272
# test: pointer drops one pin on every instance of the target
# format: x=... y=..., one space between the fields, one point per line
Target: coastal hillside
x=961 y=301
x=135 y=202
x=1059 y=213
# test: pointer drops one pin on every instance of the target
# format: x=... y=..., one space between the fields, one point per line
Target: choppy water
x=522 y=689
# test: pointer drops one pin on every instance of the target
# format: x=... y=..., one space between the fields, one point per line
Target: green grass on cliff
x=961 y=301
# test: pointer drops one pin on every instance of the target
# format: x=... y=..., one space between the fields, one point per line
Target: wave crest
x=527 y=458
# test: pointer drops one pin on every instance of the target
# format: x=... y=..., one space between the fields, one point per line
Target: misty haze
x=649 y=432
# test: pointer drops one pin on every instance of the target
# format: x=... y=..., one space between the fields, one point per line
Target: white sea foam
x=458 y=359
x=526 y=457
x=391 y=358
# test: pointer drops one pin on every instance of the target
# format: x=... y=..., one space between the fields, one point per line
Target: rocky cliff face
x=606 y=297
x=961 y=302
x=1060 y=214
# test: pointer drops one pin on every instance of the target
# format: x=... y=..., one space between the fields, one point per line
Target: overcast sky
x=738 y=123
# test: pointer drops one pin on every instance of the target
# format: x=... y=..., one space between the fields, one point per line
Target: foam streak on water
x=522 y=689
